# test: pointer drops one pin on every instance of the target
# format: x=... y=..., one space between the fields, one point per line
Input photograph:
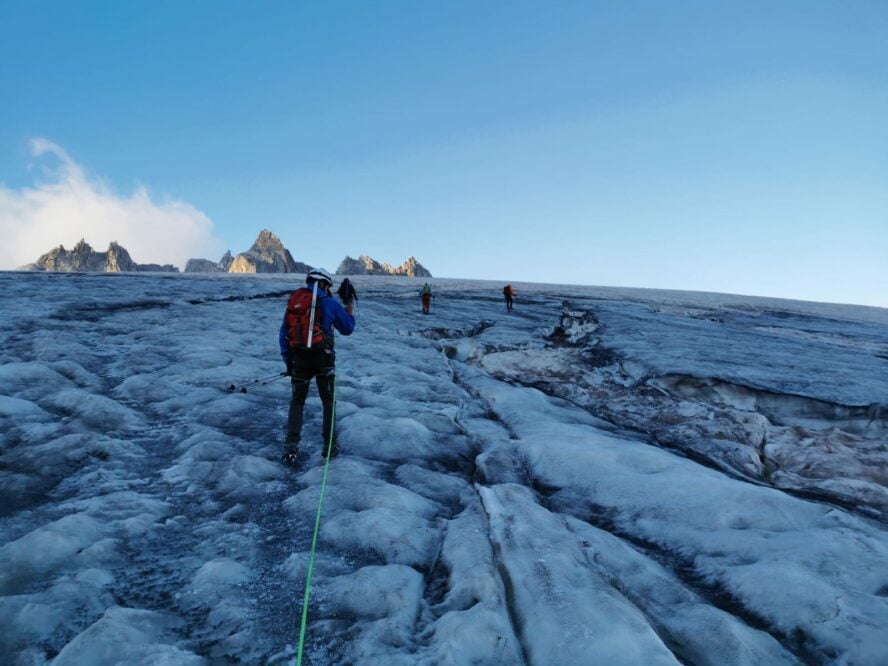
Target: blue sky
x=739 y=147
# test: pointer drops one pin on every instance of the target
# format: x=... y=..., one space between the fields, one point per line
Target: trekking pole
x=256 y=382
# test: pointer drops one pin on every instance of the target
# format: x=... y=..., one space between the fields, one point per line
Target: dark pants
x=509 y=303
x=320 y=364
x=426 y=303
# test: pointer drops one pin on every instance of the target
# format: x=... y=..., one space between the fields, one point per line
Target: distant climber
x=426 y=295
x=508 y=293
x=306 y=342
x=347 y=294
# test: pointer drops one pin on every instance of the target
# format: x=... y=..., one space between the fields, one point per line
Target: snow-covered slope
x=602 y=476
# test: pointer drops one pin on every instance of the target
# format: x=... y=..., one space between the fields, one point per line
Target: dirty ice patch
x=147 y=389
x=46 y=616
x=14 y=410
x=231 y=412
x=386 y=534
x=52 y=346
x=393 y=591
x=528 y=410
x=250 y=476
x=30 y=381
x=696 y=631
x=671 y=342
x=440 y=487
x=394 y=439
x=131 y=513
x=552 y=364
x=95 y=411
x=473 y=623
x=386 y=601
x=354 y=485
x=68 y=544
x=749 y=539
x=477 y=635
x=563 y=607
x=129 y=635
x=215 y=580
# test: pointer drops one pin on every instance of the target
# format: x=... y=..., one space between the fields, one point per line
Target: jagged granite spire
x=267 y=255
x=83 y=259
x=365 y=265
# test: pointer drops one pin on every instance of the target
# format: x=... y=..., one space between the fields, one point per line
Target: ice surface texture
x=602 y=476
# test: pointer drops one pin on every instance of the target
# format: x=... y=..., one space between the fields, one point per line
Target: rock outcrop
x=207 y=266
x=412 y=268
x=268 y=255
x=365 y=265
x=202 y=266
x=83 y=259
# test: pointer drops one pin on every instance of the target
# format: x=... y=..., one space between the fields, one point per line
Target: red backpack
x=299 y=318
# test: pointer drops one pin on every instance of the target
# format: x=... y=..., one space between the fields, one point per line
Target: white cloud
x=72 y=204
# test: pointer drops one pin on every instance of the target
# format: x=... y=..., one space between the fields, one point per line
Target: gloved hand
x=289 y=366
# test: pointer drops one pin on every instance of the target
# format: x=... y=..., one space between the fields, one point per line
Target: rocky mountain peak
x=118 y=259
x=82 y=258
x=413 y=268
x=267 y=242
x=82 y=247
x=267 y=255
x=365 y=265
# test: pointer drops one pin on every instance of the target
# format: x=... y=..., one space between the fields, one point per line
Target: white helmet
x=319 y=275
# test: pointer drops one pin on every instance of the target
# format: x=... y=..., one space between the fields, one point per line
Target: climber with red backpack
x=425 y=295
x=508 y=294
x=306 y=342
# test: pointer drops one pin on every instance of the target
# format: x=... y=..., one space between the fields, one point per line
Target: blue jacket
x=333 y=315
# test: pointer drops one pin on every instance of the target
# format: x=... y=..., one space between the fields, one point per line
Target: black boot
x=291 y=450
x=334 y=450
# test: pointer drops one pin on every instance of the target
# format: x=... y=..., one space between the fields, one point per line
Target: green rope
x=314 y=538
